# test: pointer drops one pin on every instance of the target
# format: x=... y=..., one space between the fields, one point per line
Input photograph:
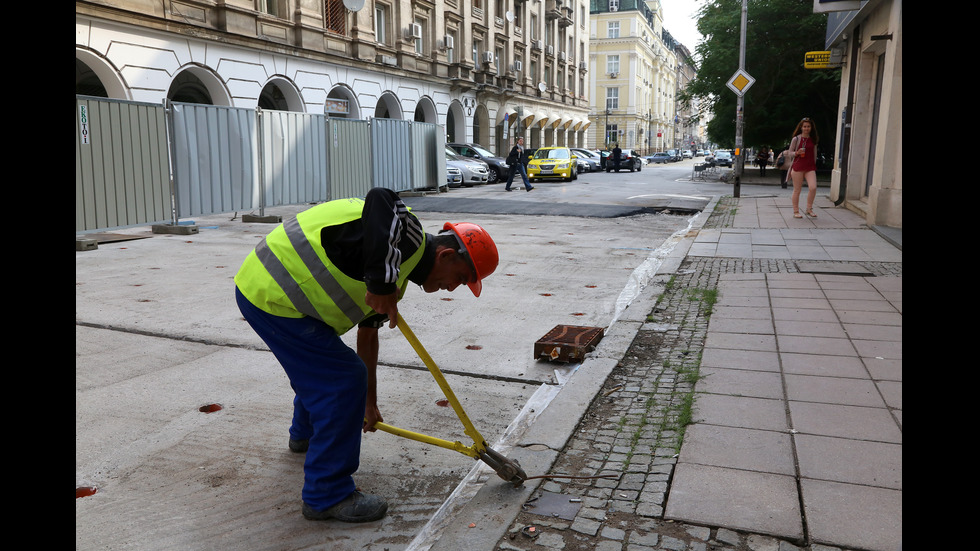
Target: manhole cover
x=566 y=343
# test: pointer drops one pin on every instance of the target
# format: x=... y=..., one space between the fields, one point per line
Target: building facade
x=485 y=70
x=867 y=175
x=689 y=128
x=634 y=81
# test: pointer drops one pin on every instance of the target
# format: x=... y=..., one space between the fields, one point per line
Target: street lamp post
x=606 y=139
x=740 y=114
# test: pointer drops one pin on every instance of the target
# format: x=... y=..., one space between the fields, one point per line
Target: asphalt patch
x=529 y=208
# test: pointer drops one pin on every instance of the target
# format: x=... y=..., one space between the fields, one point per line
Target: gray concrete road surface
x=159 y=337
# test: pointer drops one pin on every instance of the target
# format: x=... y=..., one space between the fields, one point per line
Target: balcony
x=553 y=9
x=565 y=19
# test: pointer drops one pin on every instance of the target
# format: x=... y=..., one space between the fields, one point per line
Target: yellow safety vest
x=289 y=274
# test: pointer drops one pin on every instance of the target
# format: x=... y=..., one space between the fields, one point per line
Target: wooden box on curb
x=567 y=343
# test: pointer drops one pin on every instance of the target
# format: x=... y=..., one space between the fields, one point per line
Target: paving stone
x=586 y=526
x=629 y=431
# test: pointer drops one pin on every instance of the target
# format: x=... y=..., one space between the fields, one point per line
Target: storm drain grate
x=566 y=343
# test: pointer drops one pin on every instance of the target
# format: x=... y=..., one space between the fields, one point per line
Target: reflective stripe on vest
x=288 y=273
x=318 y=269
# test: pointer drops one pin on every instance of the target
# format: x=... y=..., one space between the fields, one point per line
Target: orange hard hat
x=478 y=248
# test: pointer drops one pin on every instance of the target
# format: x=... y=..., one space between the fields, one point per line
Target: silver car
x=591 y=158
x=454 y=176
x=473 y=172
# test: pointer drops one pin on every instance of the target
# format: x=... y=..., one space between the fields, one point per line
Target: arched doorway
x=425 y=111
x=345 y=104
x=455 y=123
x=198 y=85
x=95 y=76
x=279 y=94
x=388 y=107
x=481 y=125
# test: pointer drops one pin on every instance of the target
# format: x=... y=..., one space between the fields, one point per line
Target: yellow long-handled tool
x=507 y=469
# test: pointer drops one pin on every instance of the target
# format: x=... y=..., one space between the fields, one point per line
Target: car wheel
x=493 y=176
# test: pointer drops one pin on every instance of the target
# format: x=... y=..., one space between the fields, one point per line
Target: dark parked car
x=660 y=157
x=723 y=158
x=498 y=165
x=628 y=160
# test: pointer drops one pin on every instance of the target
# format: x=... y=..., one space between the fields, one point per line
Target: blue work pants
x=330 y=382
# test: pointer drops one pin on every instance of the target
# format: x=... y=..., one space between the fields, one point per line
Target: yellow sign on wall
x=820 y=60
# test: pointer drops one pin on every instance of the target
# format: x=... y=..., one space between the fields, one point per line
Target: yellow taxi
x=553 y=162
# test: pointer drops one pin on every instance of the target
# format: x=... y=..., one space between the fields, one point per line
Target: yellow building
x=633 y=85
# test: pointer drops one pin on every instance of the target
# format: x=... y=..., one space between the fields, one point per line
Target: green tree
x=777 y=35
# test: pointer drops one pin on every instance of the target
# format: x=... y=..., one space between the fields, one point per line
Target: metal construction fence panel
x=429 y=166
x=215 y=161
x=293 y=158
x=147 y=164
x=122 y=173
x=392 y=170
x=348 y=157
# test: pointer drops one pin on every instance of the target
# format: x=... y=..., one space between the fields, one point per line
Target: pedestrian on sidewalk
x=516 y=161
x=338 y=265
x=616 y=156
x=783 y=162
x=762 y=159
x=804 y=167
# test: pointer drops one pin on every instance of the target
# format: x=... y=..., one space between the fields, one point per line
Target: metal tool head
x=507 y=469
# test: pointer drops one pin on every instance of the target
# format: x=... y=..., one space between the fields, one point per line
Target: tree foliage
x=778 y=34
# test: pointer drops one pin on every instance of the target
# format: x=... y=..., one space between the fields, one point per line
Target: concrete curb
x=482 y=508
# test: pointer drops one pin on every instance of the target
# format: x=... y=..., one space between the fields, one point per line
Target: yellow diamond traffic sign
x=740 y=82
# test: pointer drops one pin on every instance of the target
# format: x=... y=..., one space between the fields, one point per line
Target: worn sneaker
x=299 y=446
x=357 y=507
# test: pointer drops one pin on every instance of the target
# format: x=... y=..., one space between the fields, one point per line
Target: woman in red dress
x=804 y=148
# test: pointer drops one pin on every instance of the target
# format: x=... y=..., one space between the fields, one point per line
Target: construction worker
x=342 y=264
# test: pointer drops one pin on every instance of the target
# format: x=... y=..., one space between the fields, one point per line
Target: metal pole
x=168 y=114
x=739 y=120
x=260 y=134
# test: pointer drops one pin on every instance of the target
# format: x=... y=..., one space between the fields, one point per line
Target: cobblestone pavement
x=633 y=429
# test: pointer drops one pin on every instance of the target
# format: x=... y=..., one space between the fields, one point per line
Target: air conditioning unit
x=551 y=50
x=562 y=56
x=518 y=66
x=416 y=30
x=536 y=45
x=583 y=66
x=448 y=41
x=488 y=57
x=613 y=75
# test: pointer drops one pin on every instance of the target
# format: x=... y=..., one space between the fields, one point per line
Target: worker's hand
x=372 y=415
x=384 y=304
